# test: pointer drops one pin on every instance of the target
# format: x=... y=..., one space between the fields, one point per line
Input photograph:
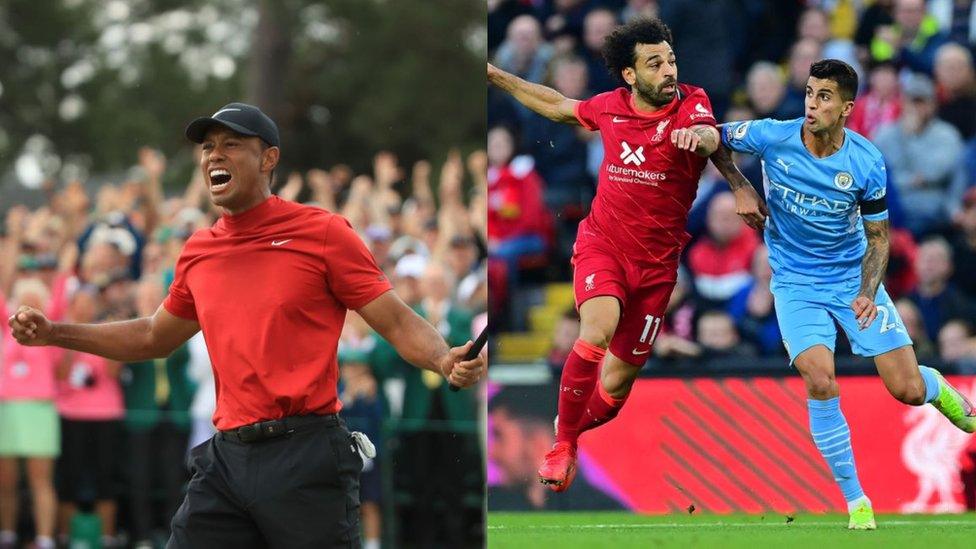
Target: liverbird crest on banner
x=931 y=450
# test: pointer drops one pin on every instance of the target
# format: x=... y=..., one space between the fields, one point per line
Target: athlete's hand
x=460 y=372
x=865 y=311
x=750 y=206
x=685 y=139
x=30 y=327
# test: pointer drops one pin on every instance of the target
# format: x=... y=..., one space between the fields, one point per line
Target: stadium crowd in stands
x=917 y=103
x=111 y=439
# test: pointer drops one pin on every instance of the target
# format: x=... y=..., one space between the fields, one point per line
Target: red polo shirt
x=270 y=288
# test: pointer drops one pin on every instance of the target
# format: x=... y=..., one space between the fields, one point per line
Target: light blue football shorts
x=806 y=316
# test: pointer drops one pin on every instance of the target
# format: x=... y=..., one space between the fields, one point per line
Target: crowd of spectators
x=82 y=433
x=917 y=103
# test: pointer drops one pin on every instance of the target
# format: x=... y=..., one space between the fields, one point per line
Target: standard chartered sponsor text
x=633 y=175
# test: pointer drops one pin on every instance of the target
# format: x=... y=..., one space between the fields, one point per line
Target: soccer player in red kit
x=657 y=136
x=269 y=284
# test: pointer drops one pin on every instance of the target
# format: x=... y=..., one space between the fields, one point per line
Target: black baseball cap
x=240 y=117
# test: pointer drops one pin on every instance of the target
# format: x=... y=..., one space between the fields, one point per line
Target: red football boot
x=559 y=468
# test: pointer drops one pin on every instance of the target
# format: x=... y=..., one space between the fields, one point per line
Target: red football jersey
x=646 y=185
x=270 y=288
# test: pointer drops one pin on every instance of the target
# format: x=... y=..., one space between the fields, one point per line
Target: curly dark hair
x=840 y=72
x=618 y=49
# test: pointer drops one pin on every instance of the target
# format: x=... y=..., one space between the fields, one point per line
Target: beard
x=653 y=95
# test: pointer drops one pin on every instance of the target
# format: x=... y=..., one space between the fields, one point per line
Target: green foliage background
x=349 y=78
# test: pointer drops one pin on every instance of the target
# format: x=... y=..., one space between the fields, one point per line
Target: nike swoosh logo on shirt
x=618 y=119
x=636 y=353
x=280 y=242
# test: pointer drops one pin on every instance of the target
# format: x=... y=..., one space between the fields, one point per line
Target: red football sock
x=575 y=386
x=600 y=409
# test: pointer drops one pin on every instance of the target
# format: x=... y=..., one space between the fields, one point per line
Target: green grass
x=622 y=530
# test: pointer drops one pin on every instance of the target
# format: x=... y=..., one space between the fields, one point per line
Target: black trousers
x=297 y=491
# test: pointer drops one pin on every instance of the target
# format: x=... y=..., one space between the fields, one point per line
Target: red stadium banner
x=743 y=445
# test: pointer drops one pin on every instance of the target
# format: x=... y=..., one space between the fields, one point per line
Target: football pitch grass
x=692 y=531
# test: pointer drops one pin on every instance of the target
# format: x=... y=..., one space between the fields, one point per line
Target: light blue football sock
x=931 y=383
x=833 y=438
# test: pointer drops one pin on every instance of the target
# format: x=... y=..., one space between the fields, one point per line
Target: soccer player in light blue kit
x=827 y=236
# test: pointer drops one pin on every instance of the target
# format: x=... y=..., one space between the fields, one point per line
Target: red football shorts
x=643 y=292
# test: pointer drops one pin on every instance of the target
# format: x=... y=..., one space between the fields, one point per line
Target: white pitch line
x=795 y=524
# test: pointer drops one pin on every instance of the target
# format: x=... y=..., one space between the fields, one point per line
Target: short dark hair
x=618 y=49
x=840 y=72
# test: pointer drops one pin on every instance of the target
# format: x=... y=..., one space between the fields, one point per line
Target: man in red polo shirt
x=269 y=284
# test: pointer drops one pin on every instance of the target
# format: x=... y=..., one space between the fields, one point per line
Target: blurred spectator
x=900 y=277
x=29 y=425
x=559 y=149
x=564 y=335
x=964 y=246
x=720 y=261
x=912 y=40
x=518 y=222
x=91 y=407
x=956 y=344
x=752 y=308
x=500 y=15
x=462 y=257
x=767 y=91
x=935 y=296
x=923 y=153
x=881 y=104
x=432 y=416
x=957 y=19
x=702 y=41
x=676 y=338
x=363 y=411
x=719 y=337
x=597 y=25
x=814 y=24
x=523 y=52
x=955 y=80
x=912 y=319
x=878 y=14
x=564 y=19
x=639 y=8
x=157 y=398
x=804 y=53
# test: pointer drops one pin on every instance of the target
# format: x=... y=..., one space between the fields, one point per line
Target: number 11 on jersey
x=650 y=320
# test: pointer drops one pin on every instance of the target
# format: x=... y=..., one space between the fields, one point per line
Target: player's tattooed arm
x=710 y=139
x=748 y=204
x=701 y=139
x=875 y=261
x=722 y=158
x=541 y=99
x=873 y=268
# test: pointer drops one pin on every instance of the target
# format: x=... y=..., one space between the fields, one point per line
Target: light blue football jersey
x=814 y=231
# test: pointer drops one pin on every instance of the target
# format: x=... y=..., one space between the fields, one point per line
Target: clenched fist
x=30 y=327
x=460 y=372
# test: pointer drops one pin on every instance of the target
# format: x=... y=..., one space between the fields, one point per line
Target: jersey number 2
x=885 y=326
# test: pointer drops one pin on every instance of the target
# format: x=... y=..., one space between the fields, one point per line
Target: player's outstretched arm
x=418 y=342
x=541 y=99
x=748 y=204
x=873 y=268
x=126 y=341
